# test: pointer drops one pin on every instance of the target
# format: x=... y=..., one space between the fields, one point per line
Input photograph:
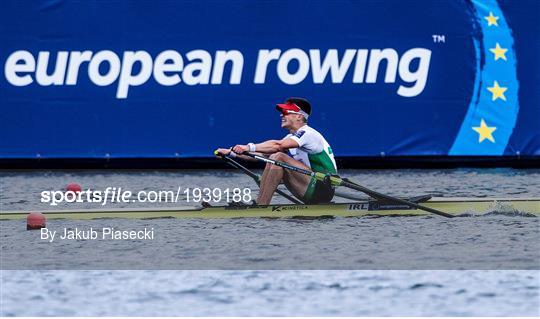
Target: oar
x=256 y=177
x=335 y=180
x=350 y=196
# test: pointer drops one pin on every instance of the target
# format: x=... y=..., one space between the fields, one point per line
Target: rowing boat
x=453 y=206
x=379 y=204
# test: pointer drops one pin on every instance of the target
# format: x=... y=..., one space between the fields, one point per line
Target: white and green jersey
x=313 y=150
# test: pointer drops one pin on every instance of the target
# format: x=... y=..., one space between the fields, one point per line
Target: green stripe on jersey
x=321 y=162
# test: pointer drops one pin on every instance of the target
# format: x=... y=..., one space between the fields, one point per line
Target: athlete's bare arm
x=227 y=151
x=266 y=148
x=269 y=147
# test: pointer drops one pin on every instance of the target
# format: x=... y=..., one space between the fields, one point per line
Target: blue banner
x=165 y=79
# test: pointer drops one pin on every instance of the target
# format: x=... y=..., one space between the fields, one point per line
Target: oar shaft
x=235 y=164
x=281 y=164
x=380 y=196
x=350 y=196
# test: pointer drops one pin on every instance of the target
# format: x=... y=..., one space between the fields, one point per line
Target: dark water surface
x=382 y=266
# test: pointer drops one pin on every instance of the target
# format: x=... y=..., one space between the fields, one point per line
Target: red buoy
x=35 y=221
x=73 y=187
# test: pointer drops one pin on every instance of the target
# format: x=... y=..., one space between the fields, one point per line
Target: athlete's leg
x=270 y=179
x=273 y=175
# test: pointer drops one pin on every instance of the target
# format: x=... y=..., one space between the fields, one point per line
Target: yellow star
x=497 y=91
x=492 y=20
x=499 y=52
x=484 y=132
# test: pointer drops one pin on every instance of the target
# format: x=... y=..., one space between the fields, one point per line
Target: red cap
x=288 y=108
x=295 y=105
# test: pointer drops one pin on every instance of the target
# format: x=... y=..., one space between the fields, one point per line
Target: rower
x=303 y=147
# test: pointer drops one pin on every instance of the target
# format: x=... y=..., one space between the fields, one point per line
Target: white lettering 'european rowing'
x=199 y=67
x=339 y=69
x=106 y=67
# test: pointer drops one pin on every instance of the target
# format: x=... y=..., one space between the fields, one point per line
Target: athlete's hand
x=240 y=149
x=222 y=152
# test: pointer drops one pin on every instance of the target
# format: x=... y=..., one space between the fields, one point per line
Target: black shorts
x=318 y=192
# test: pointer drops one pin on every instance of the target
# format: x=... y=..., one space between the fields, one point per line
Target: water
x=494 y=242
x=270 y=293
x=387 y=266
